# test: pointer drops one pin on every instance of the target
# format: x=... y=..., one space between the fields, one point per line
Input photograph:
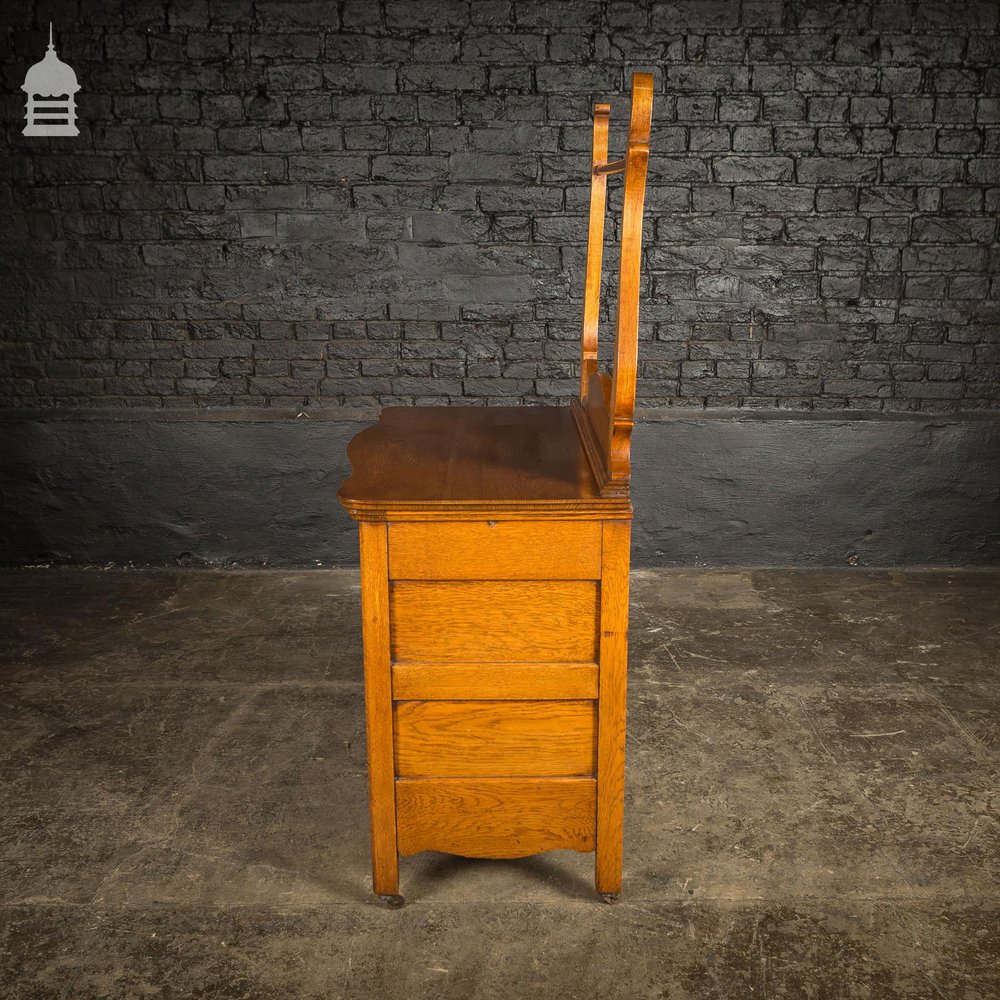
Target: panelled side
x=494 y=648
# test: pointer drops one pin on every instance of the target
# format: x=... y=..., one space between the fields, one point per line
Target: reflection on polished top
x=453 y=457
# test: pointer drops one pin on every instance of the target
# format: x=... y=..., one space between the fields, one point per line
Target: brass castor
x=391 y=902
x=610 y=897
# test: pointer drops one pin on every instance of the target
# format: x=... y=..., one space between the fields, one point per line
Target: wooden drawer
x=495 y=550
x=464 y=622
x=495 y=817
x=510 y=738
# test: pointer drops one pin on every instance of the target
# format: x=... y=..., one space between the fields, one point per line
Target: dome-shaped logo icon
x=50 y=86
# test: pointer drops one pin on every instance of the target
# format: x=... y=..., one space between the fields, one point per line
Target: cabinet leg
x=608 y=867
x=611 y=707
x=385 y=866
x=378 y=709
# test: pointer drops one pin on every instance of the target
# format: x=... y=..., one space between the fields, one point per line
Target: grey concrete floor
x=811 y=801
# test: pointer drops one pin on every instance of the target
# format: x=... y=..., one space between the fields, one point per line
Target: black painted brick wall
x=323 y=203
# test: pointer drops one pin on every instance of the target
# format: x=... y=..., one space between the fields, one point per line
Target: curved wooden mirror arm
x=605 y=410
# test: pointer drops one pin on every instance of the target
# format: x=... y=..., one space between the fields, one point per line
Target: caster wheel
x=391 y=902
x=610 y=897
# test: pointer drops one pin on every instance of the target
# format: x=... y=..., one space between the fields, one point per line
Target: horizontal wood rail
x=614 y=167
x=494 y=681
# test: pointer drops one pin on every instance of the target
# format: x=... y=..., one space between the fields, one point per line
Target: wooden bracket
x=614 y=167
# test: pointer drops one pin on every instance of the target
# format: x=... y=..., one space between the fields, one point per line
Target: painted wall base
x=256 y=489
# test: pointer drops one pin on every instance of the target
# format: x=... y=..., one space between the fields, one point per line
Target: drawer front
x=495 y=550
x=516 y=739
x=495 y=817
x=466 y=622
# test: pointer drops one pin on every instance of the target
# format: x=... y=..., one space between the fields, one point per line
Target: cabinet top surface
x=452 y=458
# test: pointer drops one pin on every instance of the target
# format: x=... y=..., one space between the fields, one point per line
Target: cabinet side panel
x=514 y=739
x=495 y=817
x=471 y=621
x=495 y=550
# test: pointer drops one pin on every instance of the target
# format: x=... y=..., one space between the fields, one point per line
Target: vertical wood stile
x=378 y=706
x=629 y=275
x=611 y=705
x=595 y=249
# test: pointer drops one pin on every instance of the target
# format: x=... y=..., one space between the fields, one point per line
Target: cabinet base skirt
x=495 y=817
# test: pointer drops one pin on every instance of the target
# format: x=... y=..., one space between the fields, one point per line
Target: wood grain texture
x=516 y=739
x=593 y=423
x=629 y=278
x=521 y=621
x=611 y=712
x=378 y=707
x=495 y=550
x=599 y=409
x=604 y=419
x=613 y=167
x=484 y=461
x=493 y=681
x=495 y=817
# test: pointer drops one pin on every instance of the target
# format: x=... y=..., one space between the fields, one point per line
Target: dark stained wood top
x=467 y=460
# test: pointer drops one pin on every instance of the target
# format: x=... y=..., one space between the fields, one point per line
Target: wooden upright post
x=378 y=708
x=595 y=248
x=611 y=711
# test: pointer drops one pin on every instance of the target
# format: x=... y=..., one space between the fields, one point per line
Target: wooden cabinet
x=494 y=561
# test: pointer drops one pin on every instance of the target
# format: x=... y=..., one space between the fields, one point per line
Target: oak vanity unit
x=494 y=566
